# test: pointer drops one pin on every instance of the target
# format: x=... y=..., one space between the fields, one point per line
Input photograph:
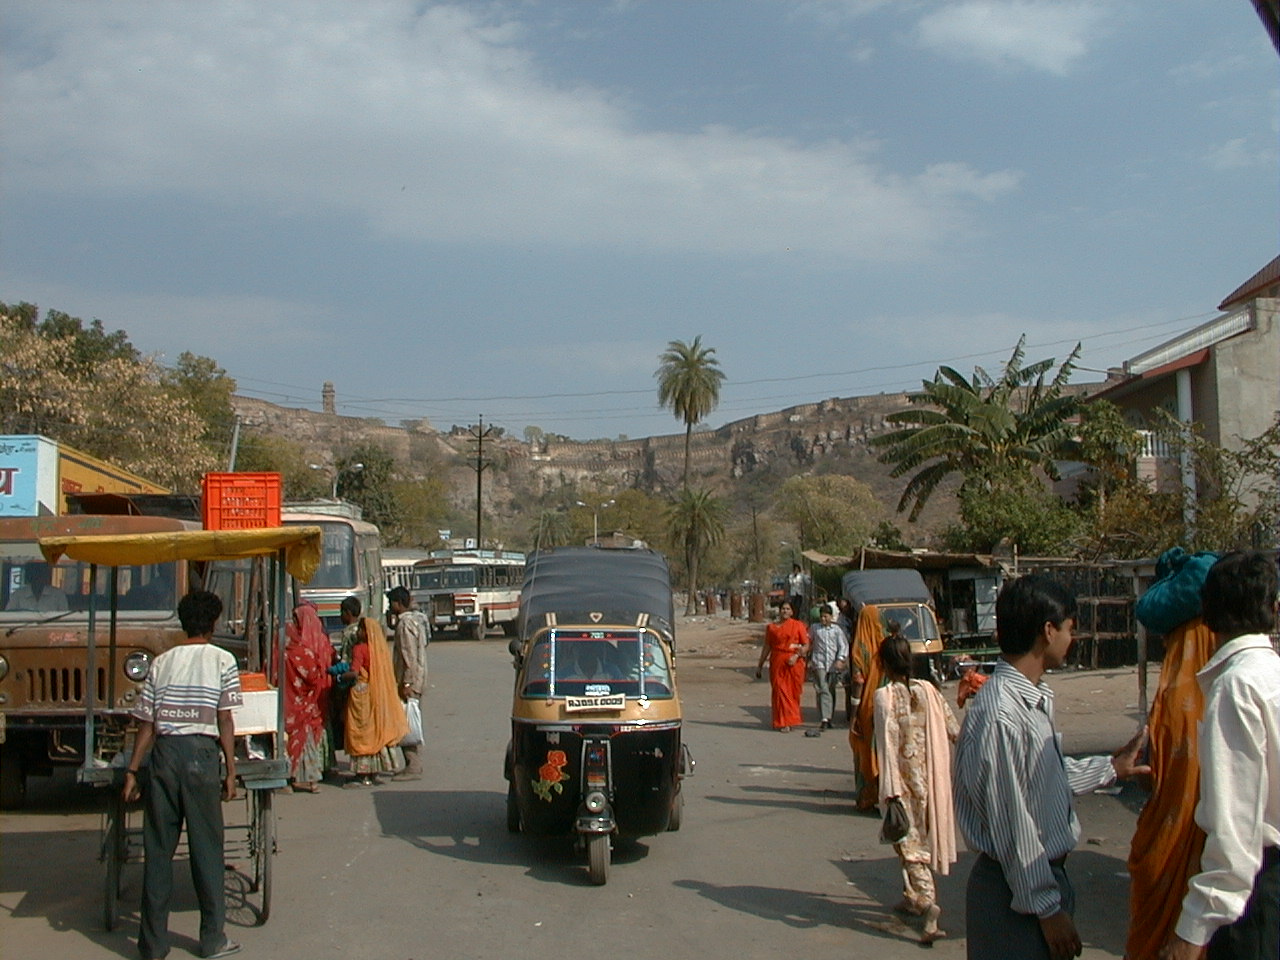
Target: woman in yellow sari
x=864 y=662
x=375 y=714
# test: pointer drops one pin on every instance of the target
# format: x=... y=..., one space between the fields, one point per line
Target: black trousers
x=1257 y=933
x=994 y=930
x=185 y=786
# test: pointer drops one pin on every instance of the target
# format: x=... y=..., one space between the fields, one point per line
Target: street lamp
x=337 y=474
x=595 y=517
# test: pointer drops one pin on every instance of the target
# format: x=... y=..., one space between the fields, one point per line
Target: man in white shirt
x=1232 y=906
x=186 y=725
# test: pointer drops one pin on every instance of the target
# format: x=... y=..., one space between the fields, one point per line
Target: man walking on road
x=1013 y=786
x=828 y=654
x=412 y=634
x=1232 y=906
x=185 y=713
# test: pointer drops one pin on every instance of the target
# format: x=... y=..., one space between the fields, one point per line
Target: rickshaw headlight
x=137 y=665
x=4 y=667
x=595 y=802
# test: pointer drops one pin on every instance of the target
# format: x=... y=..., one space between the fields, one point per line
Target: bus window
x=337 y=567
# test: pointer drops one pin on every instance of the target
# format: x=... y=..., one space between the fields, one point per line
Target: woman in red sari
x=307 y=658
x=785 y=644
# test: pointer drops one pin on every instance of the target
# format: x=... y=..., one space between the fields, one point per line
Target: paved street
x=771 y=861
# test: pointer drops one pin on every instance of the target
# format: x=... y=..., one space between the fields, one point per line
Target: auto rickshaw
x=595 y=751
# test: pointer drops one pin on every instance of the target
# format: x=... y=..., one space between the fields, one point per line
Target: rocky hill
x=763 y=450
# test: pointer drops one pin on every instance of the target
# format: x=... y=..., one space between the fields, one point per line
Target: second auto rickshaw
x=596 y=750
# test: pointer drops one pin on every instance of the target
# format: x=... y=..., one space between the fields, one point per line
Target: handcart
x=251 y=571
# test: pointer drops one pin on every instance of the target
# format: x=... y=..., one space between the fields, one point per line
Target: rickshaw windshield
x=31 y=589
x=914 y=621
x=575 y=662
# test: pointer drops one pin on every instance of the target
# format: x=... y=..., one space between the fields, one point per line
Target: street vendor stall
x=250 y=570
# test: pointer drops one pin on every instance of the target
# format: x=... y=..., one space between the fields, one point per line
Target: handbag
x=896 y=824
x=412 y=713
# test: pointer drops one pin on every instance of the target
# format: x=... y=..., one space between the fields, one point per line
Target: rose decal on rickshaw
x=552 y=774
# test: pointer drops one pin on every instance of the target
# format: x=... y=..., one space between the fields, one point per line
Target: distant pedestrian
x=186 y=725
x=828 y=656
x=784 y=645
x=914 y=728
x=799 y=584
x=1013 y=786
x=1232 y=906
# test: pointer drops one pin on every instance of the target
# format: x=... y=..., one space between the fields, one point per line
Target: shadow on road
x=470 y=825
x=804 y=909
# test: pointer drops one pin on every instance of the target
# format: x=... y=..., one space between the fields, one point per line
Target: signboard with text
x=28 y=476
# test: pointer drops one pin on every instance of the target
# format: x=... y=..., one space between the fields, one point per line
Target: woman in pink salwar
x=914 y=729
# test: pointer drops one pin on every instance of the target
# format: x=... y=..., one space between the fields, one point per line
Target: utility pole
x=478 y=433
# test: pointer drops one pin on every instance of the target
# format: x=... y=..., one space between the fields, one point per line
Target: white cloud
x=1239 y=154
x=1047 y=35
x=428 y=124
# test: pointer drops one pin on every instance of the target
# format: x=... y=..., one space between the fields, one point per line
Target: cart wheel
x=264 y=848
x=513 y=810
x=598 y=855
x=113 y=854
x=677 y=811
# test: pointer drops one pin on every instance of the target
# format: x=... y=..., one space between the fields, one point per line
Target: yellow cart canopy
x=301 y=546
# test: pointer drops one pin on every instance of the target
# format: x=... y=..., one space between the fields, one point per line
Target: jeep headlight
x=4 y=667
x=137 y=665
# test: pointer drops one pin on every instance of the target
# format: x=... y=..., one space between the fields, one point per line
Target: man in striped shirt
x=185 y=723
x=1013 y=785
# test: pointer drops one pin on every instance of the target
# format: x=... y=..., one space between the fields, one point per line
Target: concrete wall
x=1246 y=375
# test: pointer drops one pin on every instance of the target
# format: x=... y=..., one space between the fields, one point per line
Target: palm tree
x=696 y=522
x=981 y=427
x=689 y=378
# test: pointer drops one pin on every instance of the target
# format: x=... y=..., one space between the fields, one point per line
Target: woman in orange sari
x=785 y=644
x=1166 y=845
x=375 y=714
x=866 y=675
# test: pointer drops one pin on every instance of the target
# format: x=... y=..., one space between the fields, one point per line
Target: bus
x=350 y=562
x=397 y=566
x=470 y=591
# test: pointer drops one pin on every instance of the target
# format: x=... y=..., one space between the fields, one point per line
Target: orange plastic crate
x=241 y=501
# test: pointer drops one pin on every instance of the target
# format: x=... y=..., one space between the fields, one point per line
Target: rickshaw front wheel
x=598 y=856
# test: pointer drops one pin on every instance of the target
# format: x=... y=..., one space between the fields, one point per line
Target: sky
x=507 y=209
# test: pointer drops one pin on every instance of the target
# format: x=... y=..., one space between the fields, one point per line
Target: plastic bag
x=412 y=713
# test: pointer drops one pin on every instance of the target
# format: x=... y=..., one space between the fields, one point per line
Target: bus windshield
x=447 y=578
x=32 y=589
x=337 y=561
